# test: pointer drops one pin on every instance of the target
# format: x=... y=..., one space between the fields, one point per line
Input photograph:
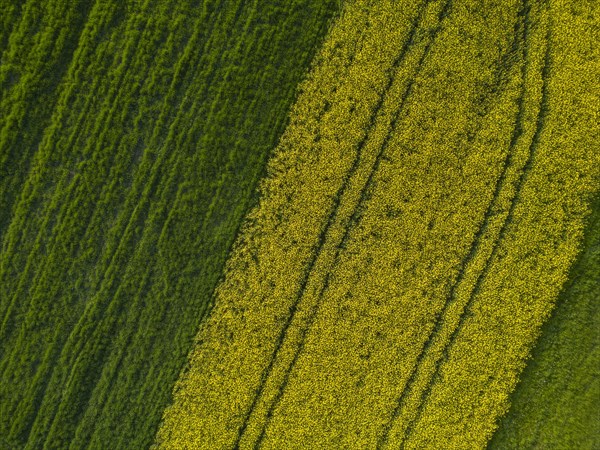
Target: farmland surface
x=299 y=224
x=133 y=134
x=556 y=402
x=417 y=223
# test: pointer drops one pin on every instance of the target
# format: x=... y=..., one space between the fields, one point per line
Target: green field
x=133 y=134
x=285 y=224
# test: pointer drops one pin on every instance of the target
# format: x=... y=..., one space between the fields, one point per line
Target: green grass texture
x=132 y=135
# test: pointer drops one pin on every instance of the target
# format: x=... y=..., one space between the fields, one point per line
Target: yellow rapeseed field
x=418 y=220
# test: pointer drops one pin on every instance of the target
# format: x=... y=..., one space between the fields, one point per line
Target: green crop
x=133 y=134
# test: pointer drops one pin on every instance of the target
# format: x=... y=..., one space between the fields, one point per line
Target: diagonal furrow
x=111 y=285
x=120 y=354
x=325 y=230
x=435 y=334
x=74 y=346
x=41 y=380
x=55 y=212
x=58 y=350
x=482 y=275
x=438 y=322
x=353 y=220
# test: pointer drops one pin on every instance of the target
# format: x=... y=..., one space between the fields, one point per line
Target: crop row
x=123 y=195
x=413 y=232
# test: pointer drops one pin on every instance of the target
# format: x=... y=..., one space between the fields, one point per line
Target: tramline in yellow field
x=418 y=220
